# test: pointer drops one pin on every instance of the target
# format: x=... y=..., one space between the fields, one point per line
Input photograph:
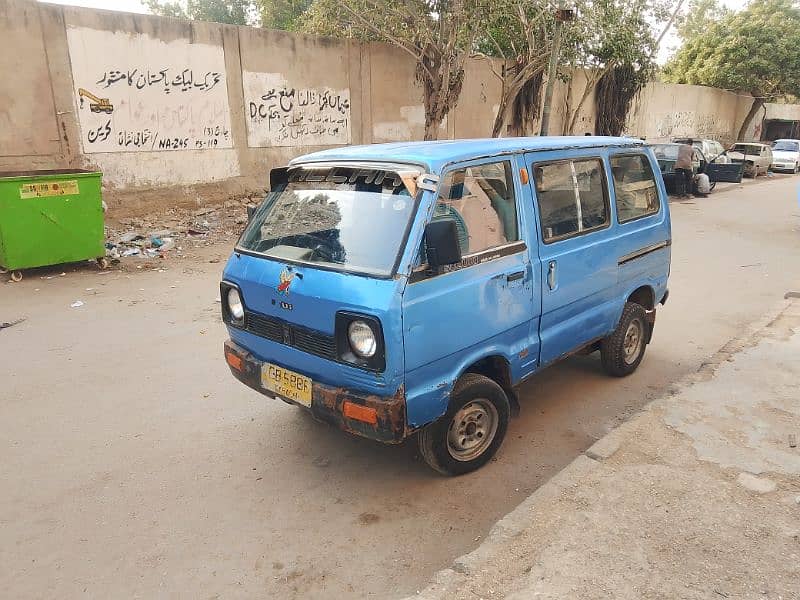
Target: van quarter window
x=634 y=186
x=480 y=199
x=572 y=198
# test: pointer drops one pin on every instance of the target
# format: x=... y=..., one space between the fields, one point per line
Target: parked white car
x=786 y=155
x=757 y=158
x=711 y=149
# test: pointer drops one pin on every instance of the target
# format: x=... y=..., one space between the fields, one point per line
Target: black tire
x=619 y=353
x=471 y=394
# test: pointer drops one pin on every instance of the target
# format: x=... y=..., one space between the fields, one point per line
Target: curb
x=522 y=517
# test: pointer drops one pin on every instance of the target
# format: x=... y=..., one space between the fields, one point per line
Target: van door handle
x=515 y=276
x=551 y=275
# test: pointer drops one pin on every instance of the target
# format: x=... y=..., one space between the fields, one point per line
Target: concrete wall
x=186 y=112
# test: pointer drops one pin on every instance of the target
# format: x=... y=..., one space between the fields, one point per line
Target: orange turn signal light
x=523 y=176
x=360 y=413
x=233 y=360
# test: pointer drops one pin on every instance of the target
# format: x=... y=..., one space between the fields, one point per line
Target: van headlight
x=362 y=339
x=235 y=307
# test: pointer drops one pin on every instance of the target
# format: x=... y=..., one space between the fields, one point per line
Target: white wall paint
x=156 y=169
x=155 y=95
x=279 y=113
x=410 y=128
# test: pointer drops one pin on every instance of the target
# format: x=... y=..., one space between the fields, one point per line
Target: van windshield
x=349 y=219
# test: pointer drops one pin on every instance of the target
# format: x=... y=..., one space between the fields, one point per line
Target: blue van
x=407 y=288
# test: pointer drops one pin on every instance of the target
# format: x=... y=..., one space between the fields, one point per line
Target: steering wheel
x=322 y=252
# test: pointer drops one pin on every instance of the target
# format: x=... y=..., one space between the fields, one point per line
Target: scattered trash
x=12 y=323
x=177 y=230
x=792 y=440
x=76 y=304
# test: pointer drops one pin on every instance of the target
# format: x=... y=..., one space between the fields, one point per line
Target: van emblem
x=286 y=281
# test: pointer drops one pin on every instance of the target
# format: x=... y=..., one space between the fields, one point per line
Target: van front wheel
x=623 y=350
x=471 y=431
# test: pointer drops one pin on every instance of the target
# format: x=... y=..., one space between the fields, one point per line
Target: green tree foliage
x=606 y=35
x=272 y=14
x=516 y=37
x=755 y=51
x=438 y=34
x=282 y=14
x=699 y=16
x=233 y=12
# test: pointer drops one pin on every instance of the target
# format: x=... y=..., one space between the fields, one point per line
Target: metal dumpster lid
x=46 y=173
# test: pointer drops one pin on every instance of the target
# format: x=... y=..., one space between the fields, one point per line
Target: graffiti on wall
x=138 y=94
x=689 y=122
x=281 y=114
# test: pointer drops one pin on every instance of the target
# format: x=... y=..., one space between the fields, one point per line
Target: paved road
x=133 y=465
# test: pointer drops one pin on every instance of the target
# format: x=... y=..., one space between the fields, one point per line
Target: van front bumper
x=327 y=402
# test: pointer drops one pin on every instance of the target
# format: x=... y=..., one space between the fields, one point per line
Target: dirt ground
x=695 y=497
x=134 y=465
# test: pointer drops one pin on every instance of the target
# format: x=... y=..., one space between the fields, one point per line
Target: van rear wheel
x=623 y=350
x=472 y=429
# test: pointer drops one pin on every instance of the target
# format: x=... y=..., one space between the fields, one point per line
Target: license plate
x=286 y=383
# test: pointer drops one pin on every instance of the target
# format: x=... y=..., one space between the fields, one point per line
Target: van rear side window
x=634 y=186
x=572 y=198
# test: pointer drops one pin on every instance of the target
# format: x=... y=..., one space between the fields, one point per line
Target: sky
x=668 y=45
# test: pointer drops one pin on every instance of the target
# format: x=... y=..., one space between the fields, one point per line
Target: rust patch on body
x=391 y=413
x=327 y=402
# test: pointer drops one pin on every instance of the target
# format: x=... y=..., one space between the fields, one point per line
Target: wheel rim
x=472 y=430
x=632 y=344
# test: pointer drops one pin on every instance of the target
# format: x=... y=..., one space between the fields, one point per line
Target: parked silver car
x=786 y=155
x=757 y=158
x=711 y=149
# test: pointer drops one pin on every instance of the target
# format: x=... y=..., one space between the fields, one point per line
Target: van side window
x=635 y=187
x=480 y=200
x=572 y=197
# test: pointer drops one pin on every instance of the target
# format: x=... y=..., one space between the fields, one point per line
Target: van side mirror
x=441 y=243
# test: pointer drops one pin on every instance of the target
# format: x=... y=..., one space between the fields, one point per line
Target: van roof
x=437 y=154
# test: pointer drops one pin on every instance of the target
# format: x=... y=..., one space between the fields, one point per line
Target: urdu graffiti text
x=183 y=81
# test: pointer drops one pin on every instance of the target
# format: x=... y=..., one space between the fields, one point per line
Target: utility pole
x=562 y=14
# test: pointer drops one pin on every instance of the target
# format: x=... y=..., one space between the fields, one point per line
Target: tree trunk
x=442 y=76
x=500 y=118
x=565 y=125
x=754 y=108
x=432 y=130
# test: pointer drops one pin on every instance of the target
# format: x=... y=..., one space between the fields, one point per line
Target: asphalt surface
x=134 y=465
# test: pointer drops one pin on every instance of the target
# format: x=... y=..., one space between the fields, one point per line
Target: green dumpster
x=50 y=217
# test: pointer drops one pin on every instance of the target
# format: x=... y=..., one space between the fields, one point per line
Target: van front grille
x=282 y=332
